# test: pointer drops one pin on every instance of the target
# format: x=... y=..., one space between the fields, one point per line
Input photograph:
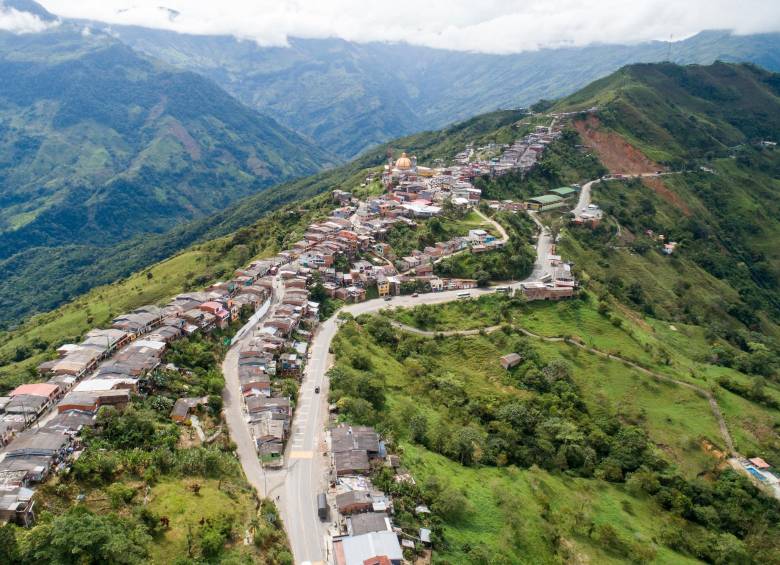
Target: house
x=92 y=401
x=368 y=522
x=511 y=360
x=9 y=429
x=27 y=405
x=351 y=462
x=346 y=438
x=48 y=391
x=759 y=463
x=16 y=506
x=478 y=235
x=183 y=407
x=382 y=285
x=40 y=443
x=258 y=404
x=354 y=501
x=376 y=548
x=71 y=422
x=541 y=291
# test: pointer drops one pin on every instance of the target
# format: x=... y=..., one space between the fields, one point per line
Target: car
x=388 y=298
x=415 y=295
x=316 y=390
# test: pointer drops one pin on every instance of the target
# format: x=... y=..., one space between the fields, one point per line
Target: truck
x=322 y=506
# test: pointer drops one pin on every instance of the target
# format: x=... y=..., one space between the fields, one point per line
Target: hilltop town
x=40 y=422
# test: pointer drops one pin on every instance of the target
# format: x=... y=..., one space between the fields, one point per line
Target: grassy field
x=677 y=419
x=185 y=510
x=532 y=515
x=537 y=517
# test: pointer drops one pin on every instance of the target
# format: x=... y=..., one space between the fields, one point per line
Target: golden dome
x=403 y=162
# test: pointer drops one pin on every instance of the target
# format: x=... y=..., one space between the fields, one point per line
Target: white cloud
x=496 y=26
x=22 y=22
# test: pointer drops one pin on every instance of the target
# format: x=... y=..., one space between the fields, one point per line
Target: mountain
x=724 y=212
x=606 y=444
x=99 y=144
x=350 y=96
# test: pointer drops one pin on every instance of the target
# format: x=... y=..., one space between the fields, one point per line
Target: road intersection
x=305 y=474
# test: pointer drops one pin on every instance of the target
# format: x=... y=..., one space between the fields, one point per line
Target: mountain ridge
x=430 y=88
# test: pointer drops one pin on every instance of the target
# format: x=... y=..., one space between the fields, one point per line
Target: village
x=348 y=257
x=40 y=422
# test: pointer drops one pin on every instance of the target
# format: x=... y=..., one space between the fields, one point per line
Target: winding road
x=306 y=471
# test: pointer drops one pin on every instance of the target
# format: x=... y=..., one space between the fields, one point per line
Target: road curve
x=307 y=466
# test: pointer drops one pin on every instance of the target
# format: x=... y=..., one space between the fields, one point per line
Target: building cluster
x=362 y=514
x=276 y=350
x=558 y=281
x=416 y=191
x=40 y=422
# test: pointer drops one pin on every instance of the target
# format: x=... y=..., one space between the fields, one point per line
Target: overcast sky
x=496 y=26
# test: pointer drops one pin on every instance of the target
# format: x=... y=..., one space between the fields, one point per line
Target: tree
x=468 y=444
x=482 y=277
x=9 y=547
x=418 y=428
x=81 y=537
x=451 y=505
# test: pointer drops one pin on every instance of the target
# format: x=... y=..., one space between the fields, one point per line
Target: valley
x=537 y=335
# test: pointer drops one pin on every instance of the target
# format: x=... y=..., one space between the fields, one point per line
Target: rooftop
x=546 y=199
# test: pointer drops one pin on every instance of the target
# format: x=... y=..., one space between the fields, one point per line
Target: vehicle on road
x=464 y=295
x=387 y=298
x=415 y=295
x=322 y=506
x=502 y=289
x=316 y=390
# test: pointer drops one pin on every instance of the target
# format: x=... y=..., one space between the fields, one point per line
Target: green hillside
x=154 y=267
x=723 y=211
x=99 y=144
x=574 y=456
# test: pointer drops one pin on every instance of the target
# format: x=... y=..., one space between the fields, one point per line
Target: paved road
x=233 y=404
x=307 y=468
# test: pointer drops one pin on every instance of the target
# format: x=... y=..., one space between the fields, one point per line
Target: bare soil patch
x=657 y=185
x=617 y=154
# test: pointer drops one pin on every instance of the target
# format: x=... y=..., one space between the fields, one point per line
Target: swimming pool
x=756 y=474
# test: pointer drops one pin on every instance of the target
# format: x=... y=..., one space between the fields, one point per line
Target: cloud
x=495 y=26
x=22 y=22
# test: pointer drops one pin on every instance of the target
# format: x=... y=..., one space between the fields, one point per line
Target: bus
x=502 y=289
x=464 y=295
